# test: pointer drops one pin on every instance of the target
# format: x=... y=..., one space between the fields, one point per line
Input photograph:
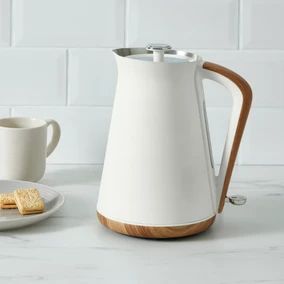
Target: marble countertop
x=244 y=246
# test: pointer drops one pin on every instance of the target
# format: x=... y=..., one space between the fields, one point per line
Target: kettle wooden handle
x=242 y=98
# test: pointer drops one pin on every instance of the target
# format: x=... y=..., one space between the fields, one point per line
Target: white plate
x=11 y=218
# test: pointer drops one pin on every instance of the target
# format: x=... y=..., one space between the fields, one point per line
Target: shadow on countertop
x=72 y=175
x=262 y=215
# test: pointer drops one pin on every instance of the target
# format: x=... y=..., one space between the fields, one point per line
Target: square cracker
x=8 y=206
x=7 y=200
x=29 y=201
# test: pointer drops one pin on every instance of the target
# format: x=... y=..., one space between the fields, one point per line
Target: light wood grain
x=155 y=232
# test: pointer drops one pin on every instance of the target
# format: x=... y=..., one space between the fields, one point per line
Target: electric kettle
x=158 y=178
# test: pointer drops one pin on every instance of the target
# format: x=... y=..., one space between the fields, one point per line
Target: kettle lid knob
x=158 y=50
x=158 y=46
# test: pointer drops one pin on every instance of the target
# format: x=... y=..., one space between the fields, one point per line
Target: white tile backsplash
x=183 y=23
x=56 y=61
x=4 y=112
x=68 y=22
x=216 y=95
x=5 y=20
x=218 y=122
x=92 y=77
x=264 y=138
x=262 y=24
x=84 y=131
x=264 y=70
x=32 y=77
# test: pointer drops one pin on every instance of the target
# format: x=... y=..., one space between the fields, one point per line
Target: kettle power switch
x=236 y=199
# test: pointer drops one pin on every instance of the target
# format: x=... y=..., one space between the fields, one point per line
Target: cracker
x=29 y=201
x=7 y=200
x=8 y=206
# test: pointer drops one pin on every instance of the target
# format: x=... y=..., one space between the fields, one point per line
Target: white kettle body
x=158 y=179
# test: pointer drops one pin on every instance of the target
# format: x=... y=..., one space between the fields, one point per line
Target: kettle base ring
x=151 y=232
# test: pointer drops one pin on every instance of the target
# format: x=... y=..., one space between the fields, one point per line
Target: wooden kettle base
x=156 y=232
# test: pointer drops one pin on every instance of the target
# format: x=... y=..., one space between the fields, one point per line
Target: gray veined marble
x=244 y=246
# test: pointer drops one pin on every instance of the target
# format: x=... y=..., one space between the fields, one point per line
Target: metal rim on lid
x=158 y=51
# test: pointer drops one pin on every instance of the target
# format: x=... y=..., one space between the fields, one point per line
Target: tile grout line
x=240 y=7
x=56 y=106
x=74 y=164
x=67 y=78
x=11 y=23
x=217 y=164
x=60 y=47
x=110 y=106
x=237 y=161
x=200 y=49
x=239 y=158
x=125 y=22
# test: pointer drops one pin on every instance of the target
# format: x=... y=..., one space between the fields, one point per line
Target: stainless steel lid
x=157 y=53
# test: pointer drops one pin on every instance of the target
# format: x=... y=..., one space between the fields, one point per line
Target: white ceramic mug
x=23 y=147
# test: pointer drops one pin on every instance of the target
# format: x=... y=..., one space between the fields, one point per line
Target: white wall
x=55 y=61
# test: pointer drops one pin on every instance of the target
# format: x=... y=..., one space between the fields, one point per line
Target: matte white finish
x=151 y=165
x=158 y=168
x=183 y=23
x=23 y=147
x=91 y=77
x=68 y=23
x=55 y=136
x=32 y=77
x=158 y=56
x=5 y=19
x=262 y=24
x=84 y=131
x=12 y=219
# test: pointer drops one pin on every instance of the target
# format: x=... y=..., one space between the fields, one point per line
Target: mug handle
x=242 y=98
x=55 y=136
